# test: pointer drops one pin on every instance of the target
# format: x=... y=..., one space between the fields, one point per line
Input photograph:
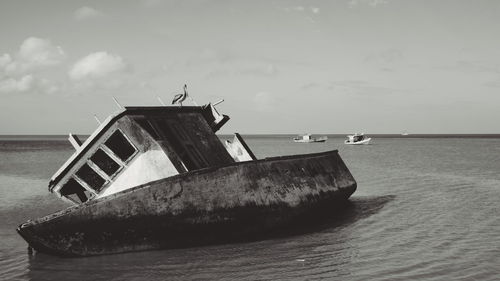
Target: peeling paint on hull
x=234 y=202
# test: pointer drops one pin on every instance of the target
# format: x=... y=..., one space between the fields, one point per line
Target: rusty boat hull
x=212 y=205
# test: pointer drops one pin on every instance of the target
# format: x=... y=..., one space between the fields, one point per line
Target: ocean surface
x=425 y=209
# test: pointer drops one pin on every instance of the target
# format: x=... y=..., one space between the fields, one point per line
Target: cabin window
x=120 y=146
x=146 y=125
x=105 y=162
x=75 y=191
x=91 y=177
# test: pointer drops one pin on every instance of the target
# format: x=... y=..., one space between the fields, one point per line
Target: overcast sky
x=377 y=66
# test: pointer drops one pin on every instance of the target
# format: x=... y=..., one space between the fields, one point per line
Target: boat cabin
x=356 y=137
x=305 y=137
x=141 y=144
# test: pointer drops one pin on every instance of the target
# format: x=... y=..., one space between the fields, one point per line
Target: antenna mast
x=117 y=103
x=161 y=101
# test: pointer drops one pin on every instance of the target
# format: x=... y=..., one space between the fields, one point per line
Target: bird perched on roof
x=179 y=98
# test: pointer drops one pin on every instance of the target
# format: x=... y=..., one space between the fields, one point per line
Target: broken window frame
x=113 y=157
x=123 y=164
x=92 y=166
x=111 y=152
x=69 y=197
x=107 y=178
x=82 y=184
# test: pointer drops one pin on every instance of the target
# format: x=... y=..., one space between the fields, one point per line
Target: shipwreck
x=159 y=177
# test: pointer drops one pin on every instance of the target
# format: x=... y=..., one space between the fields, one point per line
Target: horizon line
x=285 y=134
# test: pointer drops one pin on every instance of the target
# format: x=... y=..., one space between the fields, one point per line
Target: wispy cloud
x=97 y=65
x=87 y=13
x=18 y=72
x=308 y=13
x=385 y=56
x=99 y=70
x=492 y=84
x=259 y=70
x=359 y=87
x=33 y=53
x=243 y=68
x=372 y=3
x=28 y=83
x=297 y=8
x=224 y=63
x=21 y=84
x=472 y=66
x=310 y=86
x=312 y=9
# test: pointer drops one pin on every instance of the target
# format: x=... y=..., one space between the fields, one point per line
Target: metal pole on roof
x=192 y=100
x=117 y=103
x=216 y=103
x=97 y=119
x=161 y=101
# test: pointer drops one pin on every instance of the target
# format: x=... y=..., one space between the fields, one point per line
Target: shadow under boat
x=159 y=177
x=330 y=216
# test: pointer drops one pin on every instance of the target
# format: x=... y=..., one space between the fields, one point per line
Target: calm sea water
x=425 y=209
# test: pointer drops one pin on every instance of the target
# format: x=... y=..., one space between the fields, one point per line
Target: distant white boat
x=357 y=139
x=307 y=139
x=404 y=134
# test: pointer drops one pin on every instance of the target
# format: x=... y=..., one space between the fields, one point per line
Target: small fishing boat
x=357 y=139
x=160 y=178
x=308 y=139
